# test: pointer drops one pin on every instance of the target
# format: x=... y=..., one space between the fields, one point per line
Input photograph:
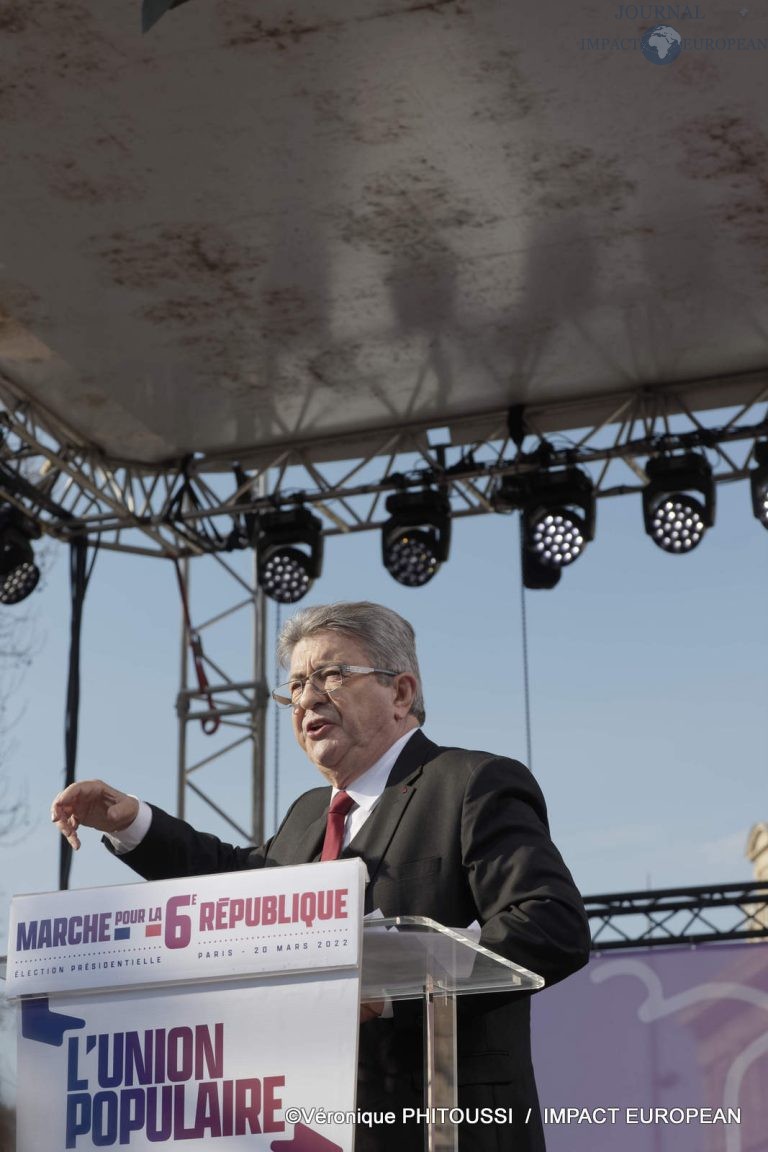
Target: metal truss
x=198 y=505
x=222 y=710
x=203 y=506
x=667 y=916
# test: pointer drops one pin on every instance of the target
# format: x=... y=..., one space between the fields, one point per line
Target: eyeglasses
x=325 y=680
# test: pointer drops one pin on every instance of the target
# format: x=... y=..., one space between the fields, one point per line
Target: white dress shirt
x=366 y=790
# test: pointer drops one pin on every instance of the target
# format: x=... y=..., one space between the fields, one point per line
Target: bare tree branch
x=18 y=644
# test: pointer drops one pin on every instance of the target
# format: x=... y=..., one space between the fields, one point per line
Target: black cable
x=526 y=677
x=276 y=792
x=79 y=575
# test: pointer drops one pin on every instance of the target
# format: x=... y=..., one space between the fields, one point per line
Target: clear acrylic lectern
x=415 y=958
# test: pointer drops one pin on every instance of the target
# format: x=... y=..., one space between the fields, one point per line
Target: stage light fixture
x=18 y=572
x=416 y=538
x=678 y=501
x=758 y=482
x=558 y=520
x=289 y=551
x=152 y=10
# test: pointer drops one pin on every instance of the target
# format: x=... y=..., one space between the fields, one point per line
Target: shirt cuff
x=133 y=835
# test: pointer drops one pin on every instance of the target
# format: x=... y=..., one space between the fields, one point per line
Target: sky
x=648 y=689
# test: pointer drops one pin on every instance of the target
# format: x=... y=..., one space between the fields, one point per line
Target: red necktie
x=334 y=828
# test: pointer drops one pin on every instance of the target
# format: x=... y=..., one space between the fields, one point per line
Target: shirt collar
x=367 y=789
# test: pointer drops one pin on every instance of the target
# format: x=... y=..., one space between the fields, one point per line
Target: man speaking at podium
x=455 y=835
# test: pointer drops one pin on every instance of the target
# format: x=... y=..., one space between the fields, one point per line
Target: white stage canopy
x=265 y=224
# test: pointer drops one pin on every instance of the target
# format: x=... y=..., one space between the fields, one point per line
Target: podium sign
x=248 y=923
x=221 y=1007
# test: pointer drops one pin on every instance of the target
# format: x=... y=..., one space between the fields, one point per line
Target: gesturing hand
x=93 y=804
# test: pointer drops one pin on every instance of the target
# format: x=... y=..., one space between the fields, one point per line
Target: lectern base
x=440 y=1095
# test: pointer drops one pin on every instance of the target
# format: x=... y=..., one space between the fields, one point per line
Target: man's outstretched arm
x=160 y=848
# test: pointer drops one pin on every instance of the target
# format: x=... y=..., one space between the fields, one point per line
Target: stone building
x=757 y=852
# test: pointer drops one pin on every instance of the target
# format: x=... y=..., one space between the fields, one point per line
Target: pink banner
x=657 y=1050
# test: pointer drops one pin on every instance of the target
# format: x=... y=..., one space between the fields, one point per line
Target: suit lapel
x=373 y=839
x=312 y=841
x=306 y=843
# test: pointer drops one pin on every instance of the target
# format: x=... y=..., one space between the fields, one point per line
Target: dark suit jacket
x=458 y=836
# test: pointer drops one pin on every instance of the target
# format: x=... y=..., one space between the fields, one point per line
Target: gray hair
x=388 y=639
